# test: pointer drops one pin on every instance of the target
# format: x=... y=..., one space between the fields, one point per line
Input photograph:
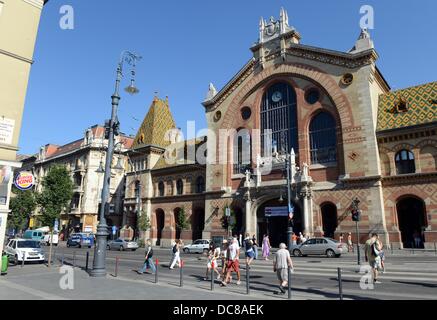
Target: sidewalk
x=38 y=282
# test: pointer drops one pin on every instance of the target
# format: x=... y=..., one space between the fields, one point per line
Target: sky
x=185 y=45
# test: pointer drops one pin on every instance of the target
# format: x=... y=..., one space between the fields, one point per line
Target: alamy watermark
x=67 y=280
x=66 y=22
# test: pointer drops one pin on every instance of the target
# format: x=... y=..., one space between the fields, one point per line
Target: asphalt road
x=407 y=277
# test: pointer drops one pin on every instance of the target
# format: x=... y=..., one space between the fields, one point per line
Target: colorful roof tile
x=408 y=107
x=155 y=125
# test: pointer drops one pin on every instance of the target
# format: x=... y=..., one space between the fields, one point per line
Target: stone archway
x=197 y=223
x=160 y=221
x=412 y=221
x=329 y=219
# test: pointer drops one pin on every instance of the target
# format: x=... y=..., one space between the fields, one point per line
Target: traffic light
x=356 y=215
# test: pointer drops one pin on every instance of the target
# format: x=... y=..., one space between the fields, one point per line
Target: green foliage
x=182 y=221
x=22 y=206
x=144 y=222
x=57 y=191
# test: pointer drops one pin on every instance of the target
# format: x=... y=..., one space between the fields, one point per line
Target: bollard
x=22 y=262
x=435 y=249
x=391 y=247
x=156 y=272
x=247 y=278
x=74 y=259
x=340 y=284
x=181 y=267
x=289 y=283
x=116 y=266
x=87 y=257
x=212 y=276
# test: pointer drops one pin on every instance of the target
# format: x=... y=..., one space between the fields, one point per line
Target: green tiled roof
x=421 y=103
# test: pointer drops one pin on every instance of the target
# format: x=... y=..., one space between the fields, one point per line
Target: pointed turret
x=212 y=91
x=262 y=26
x=363 y=43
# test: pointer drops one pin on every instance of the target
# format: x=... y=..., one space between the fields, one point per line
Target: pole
x=289 y=283
x=74 y=259
x=50 y=250
x=116 y=266
x=340 y=285
x=358 y=243
x=63 y=256
x=156 y=272
x=435 y=248
x=22 y=262
x=212 y=276
x=290 y=226
x=181 y=280
x=87 y=257
x=247 y=278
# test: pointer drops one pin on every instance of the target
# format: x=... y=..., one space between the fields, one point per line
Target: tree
x=22 y=206
x=57 y=191
x=144 y=222
x=182 y=221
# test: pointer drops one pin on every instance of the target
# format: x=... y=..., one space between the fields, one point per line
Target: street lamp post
x=112 y=128
x=356 y=216
x=284 y=149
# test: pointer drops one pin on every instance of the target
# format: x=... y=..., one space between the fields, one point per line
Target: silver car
x=122 y=244
x=199 y=246
x=318 y=246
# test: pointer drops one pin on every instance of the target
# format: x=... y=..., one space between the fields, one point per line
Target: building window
x=179 y=187
x=312 y=96
x=242 y=151
x=405 y=162
x=323 y=140
x=279 y=114
x=75 y=201
x=161 y=188
x=246 y=113
x=200 y=184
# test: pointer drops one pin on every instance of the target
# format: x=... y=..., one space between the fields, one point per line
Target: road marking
x=34 y=292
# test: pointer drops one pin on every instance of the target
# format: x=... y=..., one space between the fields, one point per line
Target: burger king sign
x=24 y=180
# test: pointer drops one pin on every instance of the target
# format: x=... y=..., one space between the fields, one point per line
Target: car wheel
x=134 y=249
x=186 y=250
x=297 y=253
x=121 y=248
x=330 y=253
x=80 y=246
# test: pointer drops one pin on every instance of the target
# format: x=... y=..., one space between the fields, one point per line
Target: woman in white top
x=213 y=255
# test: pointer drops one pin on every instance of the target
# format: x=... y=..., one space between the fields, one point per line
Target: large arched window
x=323 y=141
x=242 y=151
x=179 y=187
x=405 y=162
x=161 y=188
x=200 y=184
x=279 y=114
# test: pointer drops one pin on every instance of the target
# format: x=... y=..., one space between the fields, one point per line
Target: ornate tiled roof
x=408 y=107
x=182 y=150
x=156 y=123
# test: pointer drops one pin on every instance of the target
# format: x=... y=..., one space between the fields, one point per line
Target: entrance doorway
x=276 y=226
x=412 y=221
x=159 y=225
x=197 y=223
x=329 y=219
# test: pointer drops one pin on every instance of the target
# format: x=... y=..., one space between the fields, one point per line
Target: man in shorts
x=372 y=256
x=281 y=262
x=232 y=263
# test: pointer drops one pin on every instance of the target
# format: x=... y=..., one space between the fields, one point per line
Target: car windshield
x=28 y=244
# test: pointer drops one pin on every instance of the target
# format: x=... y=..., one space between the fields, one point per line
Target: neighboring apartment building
x=19 y=20
x=351 y=135
x=83 y=158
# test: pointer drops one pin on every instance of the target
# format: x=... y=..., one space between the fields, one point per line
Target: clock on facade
x=276 y=96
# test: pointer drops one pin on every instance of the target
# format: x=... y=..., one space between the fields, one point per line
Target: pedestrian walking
x=341 y=238
x=266 y=247
x=372 y=256
x=223 y=256
x=148 y=261
x=245 y=241
x=176 y=250
x=232 y=263
x=281 y=262
x=303 y=238
x=212 y=262
x=249 y=251
x=294 y=239
x=350 y=246
x=255 y=247
x=417 y=239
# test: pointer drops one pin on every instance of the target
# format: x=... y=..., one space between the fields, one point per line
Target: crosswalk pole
x=289 y=283
x=212 y=276
x=340 y=285
x=247 y=278
x=181 y=280
x=156 y=272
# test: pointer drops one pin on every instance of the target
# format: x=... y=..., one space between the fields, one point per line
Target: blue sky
x=186 y=44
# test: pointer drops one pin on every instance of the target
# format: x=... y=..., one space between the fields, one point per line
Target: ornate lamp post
x=112 y=128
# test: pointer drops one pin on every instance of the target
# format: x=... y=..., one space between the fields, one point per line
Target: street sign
x=276 y=211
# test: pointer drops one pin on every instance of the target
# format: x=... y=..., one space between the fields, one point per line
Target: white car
x=29 y=250
x=47 y=237
x=199 y=246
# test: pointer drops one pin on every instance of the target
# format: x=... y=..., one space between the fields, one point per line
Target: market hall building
x=349 y=136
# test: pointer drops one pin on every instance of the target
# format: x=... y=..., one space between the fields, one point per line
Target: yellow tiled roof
x=421 y=107
x=181 y=147
x=156 y=123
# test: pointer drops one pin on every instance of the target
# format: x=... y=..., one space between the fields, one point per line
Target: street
x=408 y=276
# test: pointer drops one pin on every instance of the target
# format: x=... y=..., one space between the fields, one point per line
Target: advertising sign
x=276 y=212
x=6 y=130
x=24 y=180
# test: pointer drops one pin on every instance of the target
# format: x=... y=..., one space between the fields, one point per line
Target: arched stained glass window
x=323 y=139
x=279 y=114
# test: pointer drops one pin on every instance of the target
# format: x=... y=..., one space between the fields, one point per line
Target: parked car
x=318 y=246
x=29 y=250
x=122 y=244
x=37 y=235
x=47 y=236
x=199 y=246
x=80 y=240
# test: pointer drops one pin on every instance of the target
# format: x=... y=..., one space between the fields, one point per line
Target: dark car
x=80 y=239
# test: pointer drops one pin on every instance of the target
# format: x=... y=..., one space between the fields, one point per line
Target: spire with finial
x=211 y=92
x=262 y=27
x=364 y=42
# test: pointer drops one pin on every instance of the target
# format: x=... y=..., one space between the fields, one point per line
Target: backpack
x=375 y=251
x=150 y=253
x=175 y=248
